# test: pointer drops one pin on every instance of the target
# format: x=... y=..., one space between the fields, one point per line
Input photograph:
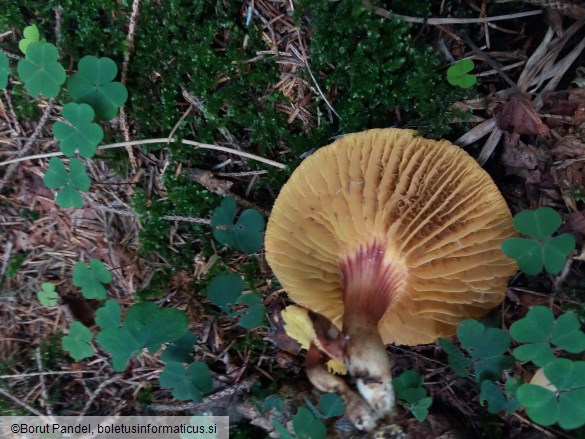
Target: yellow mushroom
x=395 y=239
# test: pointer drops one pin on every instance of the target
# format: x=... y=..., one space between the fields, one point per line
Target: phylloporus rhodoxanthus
x=395 y=239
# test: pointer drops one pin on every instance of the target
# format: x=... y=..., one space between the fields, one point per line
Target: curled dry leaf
x=518 y=116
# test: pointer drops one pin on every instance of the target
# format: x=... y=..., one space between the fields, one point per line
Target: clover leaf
x=565 y=404
x=306 y=425
x=538 y=329
x=31 y=35
x=187 y=384
x=77 y=342
x=252 y=316
x=331 y=405
x=40 y=71
x=487 y=347
x=223 y=290
x=94 y=85
x=80 y=133
x=181 y=349
x=91 y=278
x=542 y=250
x=138 y=331
x=48 y=296
x=409 y=390
x=246 y=235
x=458 y=74
x=73 y=182
x=457 y=360
x=3 y=71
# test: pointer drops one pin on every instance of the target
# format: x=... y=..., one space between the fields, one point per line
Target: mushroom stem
x=358 y=411
x=368 y=362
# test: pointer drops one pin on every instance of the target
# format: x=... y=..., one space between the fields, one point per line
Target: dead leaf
x=518 y=116
x=569 y=147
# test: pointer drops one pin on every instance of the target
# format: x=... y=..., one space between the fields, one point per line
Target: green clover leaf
x=458 y=74
x=31 y=35
x=3 y=70
x=40 y=71
x=222 y=221
x=538 y=328
x=542 y=250
x=75 y=181
x=539 y=402
x=77 y=342
x=252 y=316
x=181 y=349
x=94 y=85
x=189 y=384
x=408 y=388
x=306 y=425
x=331 y=405
x=223 y=290
x=246 y=235
x=249 y=231
x=138 y=331
x=539 y=223
x=80 y=133
x=91 y=278
x=48 y=296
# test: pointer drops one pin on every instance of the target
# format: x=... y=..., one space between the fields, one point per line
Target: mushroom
x=395 y=239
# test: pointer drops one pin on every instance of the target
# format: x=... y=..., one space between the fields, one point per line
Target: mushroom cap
x=437 y=215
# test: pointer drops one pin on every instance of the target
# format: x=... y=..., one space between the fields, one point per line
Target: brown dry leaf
x=522 y=159
x=279 y=336
x=518 y=116
x=569 y=147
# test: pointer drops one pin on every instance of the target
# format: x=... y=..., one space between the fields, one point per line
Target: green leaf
x=307 y=426
x=40 y=71
x=539 y=223
x=249 y=231
x=420 y=409
x=527 y=253
x=284 y=433
x=151 y=325
x=93 y=85
x=492 y=368
x=223 y=290
x=567 y=334
x=482 y=342
x=458 y=74
x=3 y=70
x=48 y=296
x=539 y=353
x=181 y=349
x=56 y=175
x=31 y=35
x=120 y=344
x=68 y=197
x=492 y=394
x=80 y=133
x=572 y=409
x=539 y=402
x=253 y=315
x=331 y=405
x=109 y=315
x=556 y=251
x=77 y=342
x=565 y=374
x=222 y=222
x=457 y=360
x=535 y=326
x=90 y=279
x=79 y=177
x=187 y=384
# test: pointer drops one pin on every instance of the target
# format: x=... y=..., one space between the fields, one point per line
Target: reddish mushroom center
x=371 y=281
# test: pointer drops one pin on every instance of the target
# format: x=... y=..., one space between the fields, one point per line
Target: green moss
x=15 y=263
x=375 y=68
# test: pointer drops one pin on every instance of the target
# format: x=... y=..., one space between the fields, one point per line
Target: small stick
x=44 y=392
